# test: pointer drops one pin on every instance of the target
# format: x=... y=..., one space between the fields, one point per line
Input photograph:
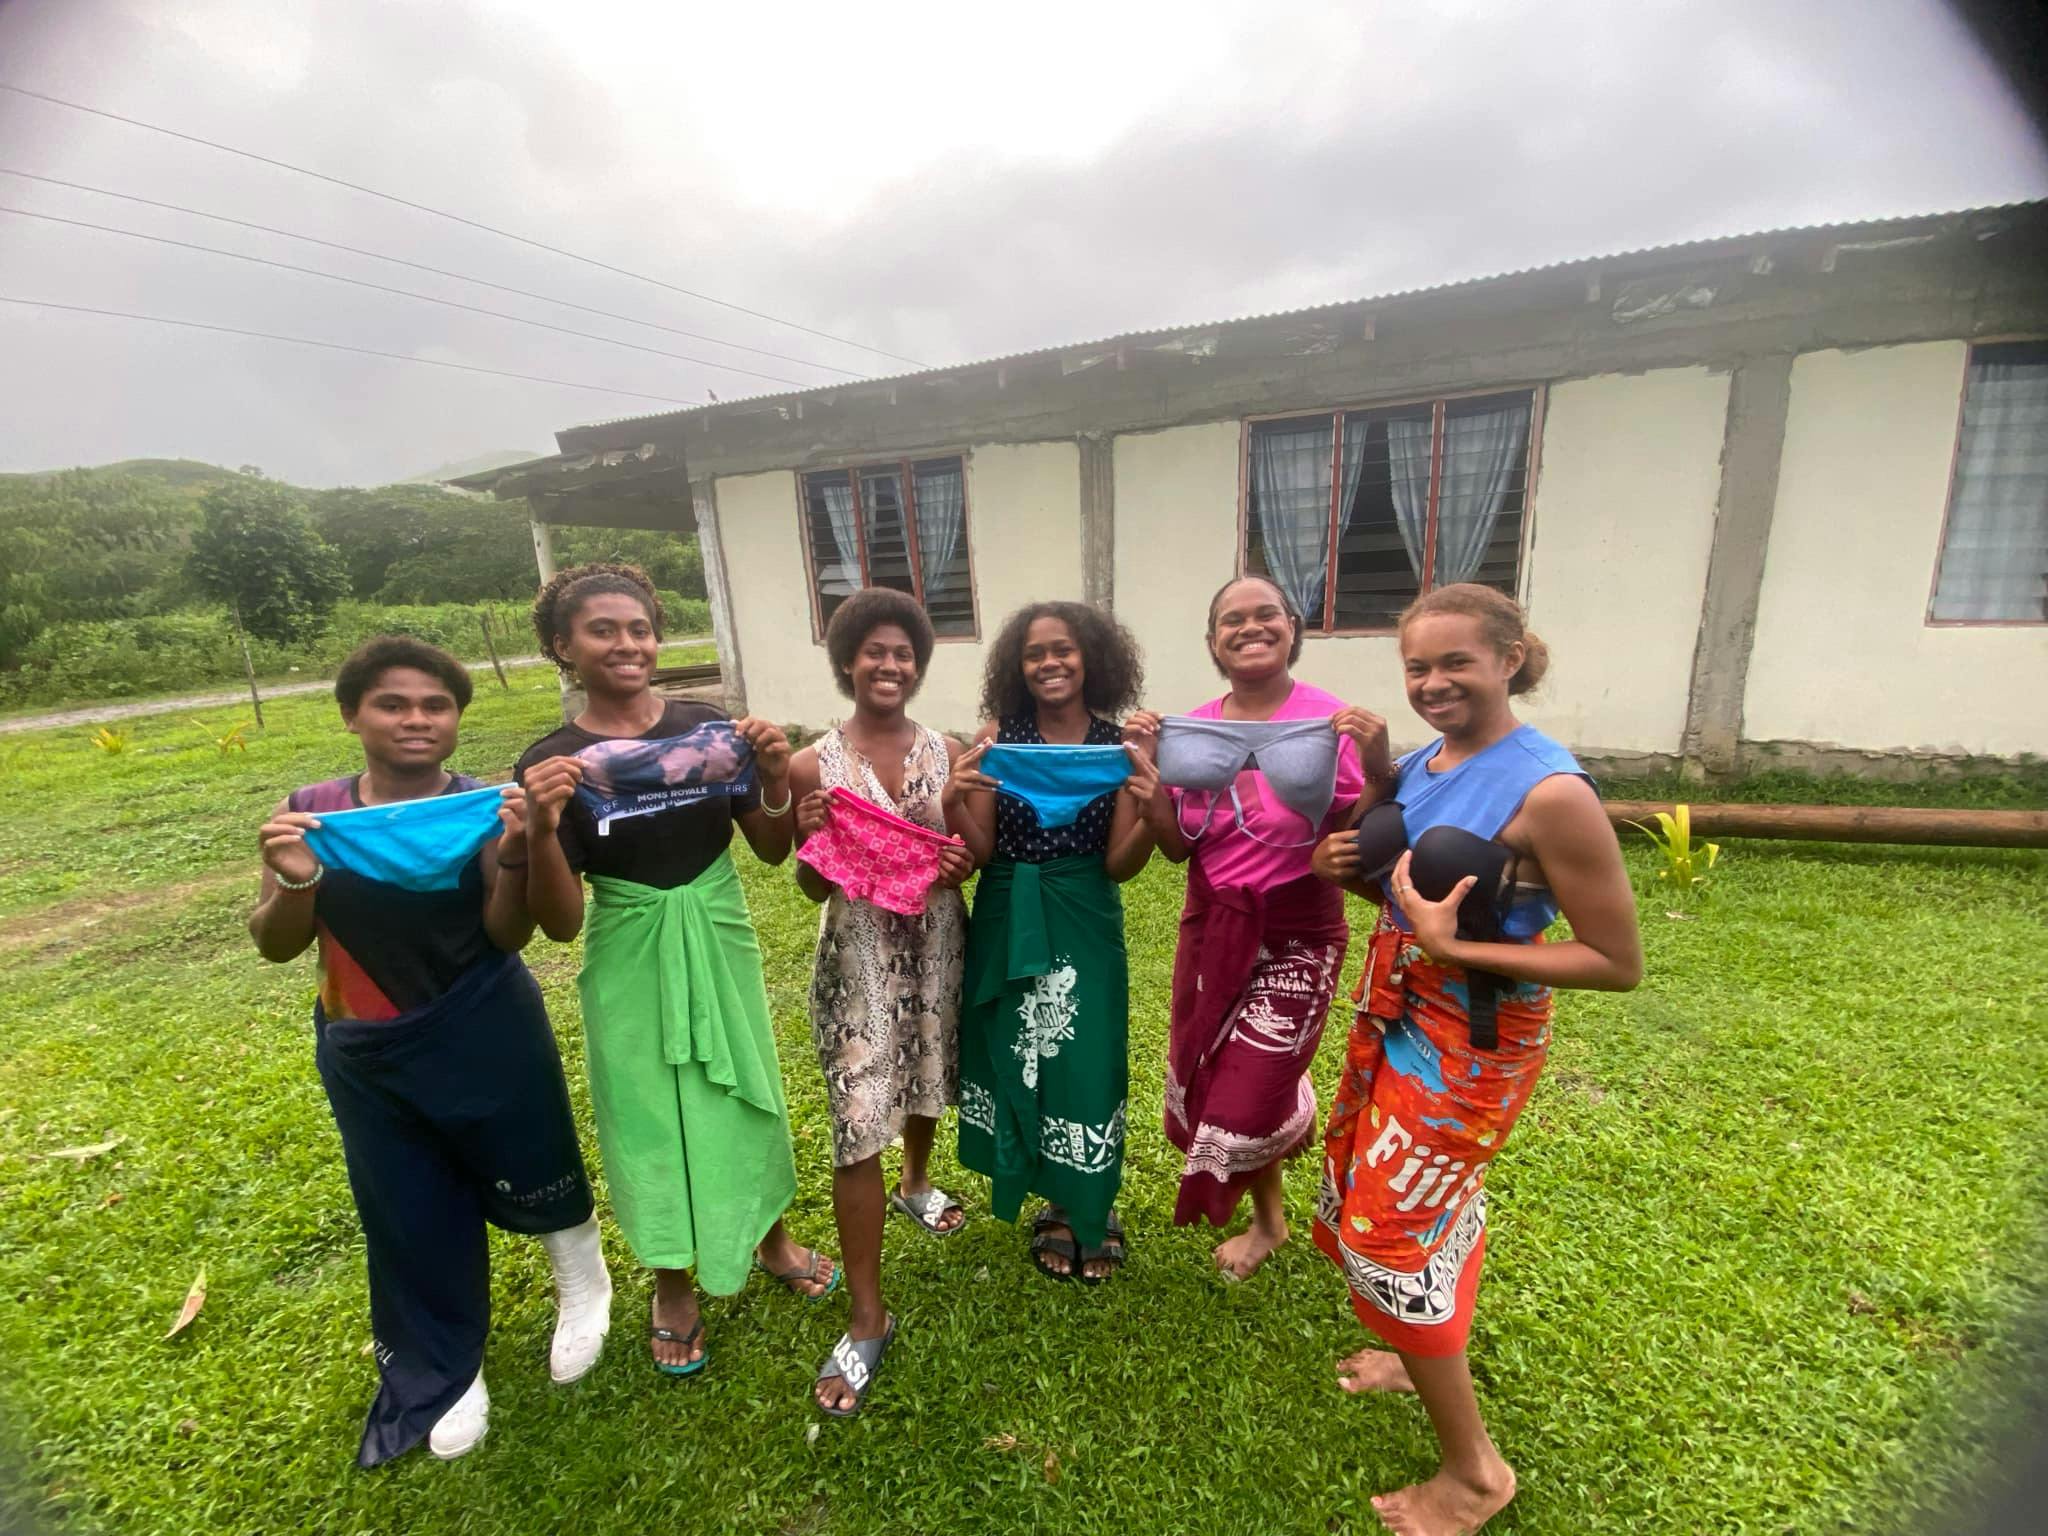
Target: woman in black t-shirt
x=680 y=1050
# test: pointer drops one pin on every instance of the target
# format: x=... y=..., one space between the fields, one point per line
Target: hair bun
x=1535 y=663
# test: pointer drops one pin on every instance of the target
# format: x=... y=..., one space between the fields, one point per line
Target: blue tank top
x=1481 y=795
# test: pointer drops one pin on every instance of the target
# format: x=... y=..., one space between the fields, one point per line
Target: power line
x=442 y=213
x=335 y=346
x=405 y=293
x=420 y=266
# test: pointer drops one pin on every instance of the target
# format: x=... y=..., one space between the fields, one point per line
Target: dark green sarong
x=1044 y=1034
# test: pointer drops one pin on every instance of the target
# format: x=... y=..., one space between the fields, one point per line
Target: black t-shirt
x=386 y=950
x=665 y=849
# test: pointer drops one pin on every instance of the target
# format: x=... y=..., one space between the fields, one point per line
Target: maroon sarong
x=1252 y=982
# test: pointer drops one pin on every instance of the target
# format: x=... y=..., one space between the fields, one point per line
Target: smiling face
x=1250 y=633
x=1457 y=679
x=1053 y=668
x=406 y=720
x=612 y=644
x=884 y=670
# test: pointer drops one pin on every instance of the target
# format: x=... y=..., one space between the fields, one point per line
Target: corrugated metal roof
x=1667 y=250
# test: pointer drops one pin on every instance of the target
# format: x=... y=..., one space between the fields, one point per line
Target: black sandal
x=1112 y=1249
x=1043 y=1242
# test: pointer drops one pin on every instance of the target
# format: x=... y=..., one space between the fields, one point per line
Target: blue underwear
x=626 y=776
x=421 y=845
x=1057 y=782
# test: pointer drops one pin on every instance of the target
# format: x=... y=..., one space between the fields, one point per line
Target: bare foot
x=1373 y=1370
x=1239 y=1257
x=782 y=1257
x=675 y=1308
x=1447 y=1505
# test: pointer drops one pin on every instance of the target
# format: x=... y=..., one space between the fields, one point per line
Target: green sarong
x=1044 y=1034
x=683 y=1074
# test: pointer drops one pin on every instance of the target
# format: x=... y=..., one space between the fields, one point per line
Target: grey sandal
x=793 y=1279
x=854 y=1361
x=926 y=1209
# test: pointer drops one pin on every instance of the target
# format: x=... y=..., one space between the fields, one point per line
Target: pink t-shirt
x=1230 y=856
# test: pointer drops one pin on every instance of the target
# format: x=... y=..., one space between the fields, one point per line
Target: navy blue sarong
x=451 y=1116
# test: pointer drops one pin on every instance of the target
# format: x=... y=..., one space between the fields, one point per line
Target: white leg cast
x=458 y=1430
x=583 y=1300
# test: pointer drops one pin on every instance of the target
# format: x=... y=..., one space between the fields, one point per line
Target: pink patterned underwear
x=874 y=855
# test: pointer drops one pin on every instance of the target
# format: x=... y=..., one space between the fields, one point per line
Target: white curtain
x=845 y=540
x=1994 y=559
x=1291 y=474
x=941 y=525
x=1408 y=442
x=1481 y=451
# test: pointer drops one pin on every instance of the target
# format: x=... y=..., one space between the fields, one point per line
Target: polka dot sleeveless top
x=1018 y=834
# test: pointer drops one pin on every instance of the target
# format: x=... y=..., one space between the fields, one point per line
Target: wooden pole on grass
x=483 y=618
x=1851 y=823
x=248 y=662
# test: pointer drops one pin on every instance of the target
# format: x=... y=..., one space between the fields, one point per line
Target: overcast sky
x=945 y=182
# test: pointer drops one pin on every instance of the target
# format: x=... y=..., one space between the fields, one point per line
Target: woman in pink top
x=1261 y=938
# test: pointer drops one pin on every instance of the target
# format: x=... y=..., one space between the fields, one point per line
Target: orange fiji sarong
x=1418 y=1117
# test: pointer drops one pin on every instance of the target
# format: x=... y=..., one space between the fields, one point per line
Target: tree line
x=91 y=546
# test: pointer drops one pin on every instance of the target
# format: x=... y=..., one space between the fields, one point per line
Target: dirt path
x=96 y=713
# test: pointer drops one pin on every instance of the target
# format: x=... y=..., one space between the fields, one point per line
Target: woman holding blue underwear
x=1502 y=831
x=433 y=1044
x=1271 y=766
x=885 y=983
x=1052 y=805
x=639 y=795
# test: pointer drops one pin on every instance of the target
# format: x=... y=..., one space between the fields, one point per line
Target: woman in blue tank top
x=1502 y=831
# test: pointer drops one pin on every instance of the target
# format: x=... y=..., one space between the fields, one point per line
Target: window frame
x=905 y=466
x=1955 y=462
x=1538 y=398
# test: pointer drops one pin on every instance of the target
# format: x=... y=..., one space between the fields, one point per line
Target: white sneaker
x=459 y=1429
x=583 y=1301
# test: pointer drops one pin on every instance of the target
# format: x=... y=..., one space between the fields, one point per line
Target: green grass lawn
x=1761 y=1247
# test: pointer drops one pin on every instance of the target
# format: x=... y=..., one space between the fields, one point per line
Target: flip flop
x=670 y=1336
x=792 y=1278
x=927 y=1208
x=1043 y=1242
x=1112 y=1249
x=854 y=1361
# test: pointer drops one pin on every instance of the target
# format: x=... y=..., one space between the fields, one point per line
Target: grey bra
x=1298 y=758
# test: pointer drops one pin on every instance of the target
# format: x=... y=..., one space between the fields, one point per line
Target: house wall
x=1622 y=521
x=1623 y=518
x=1626 y=491
x=1844 y=654
x=1024 y=531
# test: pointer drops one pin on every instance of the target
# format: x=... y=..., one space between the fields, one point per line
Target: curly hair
x=1113 y=669
x=865 y=612
x=1286 y=603
x=1500 y=618
x=563 y=595
x=380 y=653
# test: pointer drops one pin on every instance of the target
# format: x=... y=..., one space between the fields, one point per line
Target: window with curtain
x=1357 y=513
x=902 y=524
x=1994 y=547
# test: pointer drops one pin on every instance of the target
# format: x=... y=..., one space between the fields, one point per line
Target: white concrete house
x=1779 y=497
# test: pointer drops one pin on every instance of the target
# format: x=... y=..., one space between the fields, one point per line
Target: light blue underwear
x=1055 y=781
x=421 y=845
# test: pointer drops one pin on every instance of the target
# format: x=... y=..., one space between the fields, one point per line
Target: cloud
x=962 y=184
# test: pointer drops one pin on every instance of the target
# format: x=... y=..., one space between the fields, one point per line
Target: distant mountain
x=475 y=466
x=188 y=475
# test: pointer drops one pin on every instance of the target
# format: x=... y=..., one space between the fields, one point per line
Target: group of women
x=1278 y=796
